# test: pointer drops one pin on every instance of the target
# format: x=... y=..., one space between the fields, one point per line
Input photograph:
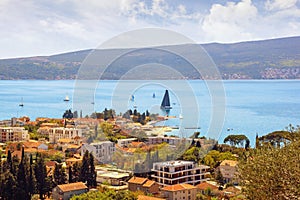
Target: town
x=126 y=156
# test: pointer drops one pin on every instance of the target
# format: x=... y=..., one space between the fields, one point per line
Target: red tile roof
x=178 y=187
x=205 y=185
x=137 y=180
x=143 y=197
x=148 y=183
x=72 y=186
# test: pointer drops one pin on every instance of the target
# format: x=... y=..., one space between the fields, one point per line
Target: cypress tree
x=84 y=171
x=22 y=192
x=41 y=175
x=92 y=173
x=31 y=178
x=70 y=175
x=59 y=175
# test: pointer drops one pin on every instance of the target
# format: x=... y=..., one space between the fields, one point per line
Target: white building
x=13 y=134
x=60 y=133
x=102 y=151
x=176 y=172
x=126 y=142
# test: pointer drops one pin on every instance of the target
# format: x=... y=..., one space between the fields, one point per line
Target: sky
x=33 y=27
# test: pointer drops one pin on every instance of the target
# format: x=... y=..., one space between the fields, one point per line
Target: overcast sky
x=30 y=28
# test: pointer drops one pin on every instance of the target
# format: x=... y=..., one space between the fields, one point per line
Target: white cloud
x=280 y=4
x=231 y=22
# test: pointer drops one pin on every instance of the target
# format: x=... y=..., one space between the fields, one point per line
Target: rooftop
x=72 y=186
x=137 y=180
x=143 y=197
x=175 y=163
x=149 y=183
x=178 y=187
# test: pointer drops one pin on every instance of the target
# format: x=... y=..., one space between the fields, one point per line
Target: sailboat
x=66 y=98
x=180 y=116
x=21 y=104
x=132 y=98
x=165 y=104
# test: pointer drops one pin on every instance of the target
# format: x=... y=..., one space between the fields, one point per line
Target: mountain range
x=264 y=59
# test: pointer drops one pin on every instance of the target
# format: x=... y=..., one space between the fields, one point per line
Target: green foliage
x=87 y=170
x=235 y=140
x=270 y=173
x=214 y=158
x=59 y=175
x=106 y=195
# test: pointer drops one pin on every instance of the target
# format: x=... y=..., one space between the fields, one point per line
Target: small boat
x=153 y=96
x=180 y=116
x=132 y=98
x=21 y=104
x=66 y=98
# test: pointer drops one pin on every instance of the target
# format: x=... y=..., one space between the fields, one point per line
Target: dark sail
x=165 y=104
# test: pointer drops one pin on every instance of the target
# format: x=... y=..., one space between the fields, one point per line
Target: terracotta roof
x=65 y=140
x=72 y=186
x=231 y=163
x=178 y=187
x=143 y=197
x=50 y=163
x=137 y=180
x=137 y=144
x=205 y=185
x=148 y=183
x=73 y=159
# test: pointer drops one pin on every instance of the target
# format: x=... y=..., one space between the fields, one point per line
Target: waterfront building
x=179 y=171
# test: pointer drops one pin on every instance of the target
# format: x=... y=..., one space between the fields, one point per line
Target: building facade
x=66 y=191
x=182 y=191
x=177 y=172
x=60 y=132
x=102 y=151
x=11 y=134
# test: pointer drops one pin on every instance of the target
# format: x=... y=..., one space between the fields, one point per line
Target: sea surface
x=247 y=107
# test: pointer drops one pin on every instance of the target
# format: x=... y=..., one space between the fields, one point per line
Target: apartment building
x=102 y=151
x=11 y=134
x=177 y=172
x=58 y=133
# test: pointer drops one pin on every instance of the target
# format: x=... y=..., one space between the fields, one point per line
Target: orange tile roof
x=137 y=180
x=178 y=187
x=205 y=185
x=143 y=197
x=72 y=186
x=148 y=183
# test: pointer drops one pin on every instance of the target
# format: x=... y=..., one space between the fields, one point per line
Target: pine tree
x=9 y=186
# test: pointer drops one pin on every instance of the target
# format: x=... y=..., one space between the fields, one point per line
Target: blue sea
x=214 y=108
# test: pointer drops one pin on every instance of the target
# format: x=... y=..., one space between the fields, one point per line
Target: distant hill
x=266 y=59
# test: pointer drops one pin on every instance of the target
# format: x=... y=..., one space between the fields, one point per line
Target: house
x=55 y=134
x=75 y=159
x=102 y=151
x=11 y=134
x=126 y=142
x=143 y=184
x=112 y=178
x=181 y=191
x=228 y=170
x=206 y=187
x=66 y=191
x=179 y=171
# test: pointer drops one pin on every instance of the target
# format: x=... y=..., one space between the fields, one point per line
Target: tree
x=92 y=173
x=22 y=177
x=235 y=140
x=84 y=170
x=276 y=170
x=59 y=175
x=31 y=178
x=41 y=175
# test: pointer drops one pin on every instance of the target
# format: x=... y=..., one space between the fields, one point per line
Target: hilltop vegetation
x=267 y=59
